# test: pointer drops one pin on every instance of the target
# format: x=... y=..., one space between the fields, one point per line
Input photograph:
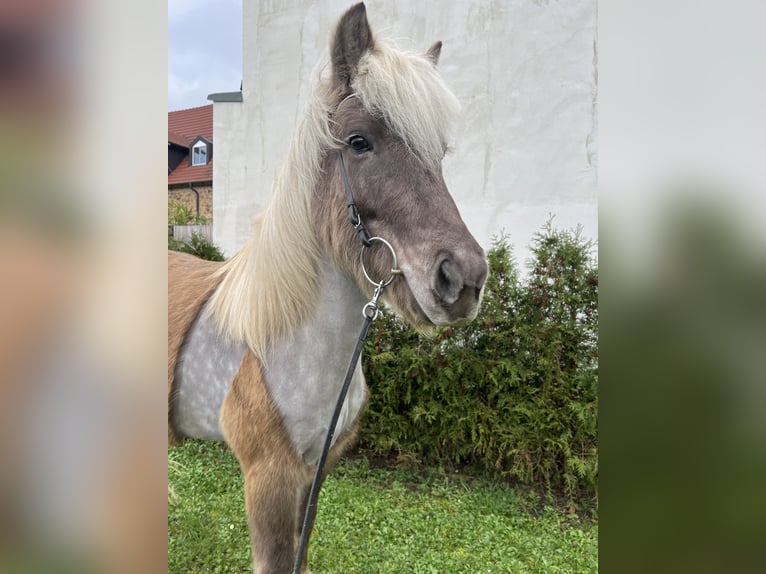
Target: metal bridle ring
x=371 y=311
x=394 y=267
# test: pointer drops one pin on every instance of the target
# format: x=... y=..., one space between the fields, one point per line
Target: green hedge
x=198 y=245
x=513 y=392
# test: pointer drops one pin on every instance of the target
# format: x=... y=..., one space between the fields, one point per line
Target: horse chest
x=304 y=380
x=304 y=373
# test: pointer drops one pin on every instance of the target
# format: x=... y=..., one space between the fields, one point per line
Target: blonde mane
x=269 y=286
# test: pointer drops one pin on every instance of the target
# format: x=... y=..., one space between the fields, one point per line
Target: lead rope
x=370 y=312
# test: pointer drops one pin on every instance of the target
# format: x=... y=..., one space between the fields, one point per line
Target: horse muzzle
x=457 y=286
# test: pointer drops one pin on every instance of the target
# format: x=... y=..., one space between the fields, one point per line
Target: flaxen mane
x=255 y=306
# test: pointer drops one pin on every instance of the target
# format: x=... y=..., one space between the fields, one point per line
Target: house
x=190 y=159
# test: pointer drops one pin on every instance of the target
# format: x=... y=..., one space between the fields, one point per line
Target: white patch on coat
x=305 y=372
x=205 y=370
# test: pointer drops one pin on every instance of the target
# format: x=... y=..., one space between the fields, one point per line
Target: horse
x=258 y=344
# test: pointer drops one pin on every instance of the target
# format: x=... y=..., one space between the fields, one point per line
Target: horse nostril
x=449 y=282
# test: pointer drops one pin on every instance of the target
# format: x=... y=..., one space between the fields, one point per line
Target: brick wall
x=187 y=197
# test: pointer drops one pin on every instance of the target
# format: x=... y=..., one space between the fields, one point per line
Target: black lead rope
x=311 y=507
x=370 y=313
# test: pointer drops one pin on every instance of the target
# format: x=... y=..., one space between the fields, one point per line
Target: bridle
x=353 y=212
x=370 y=312
x=364 y=236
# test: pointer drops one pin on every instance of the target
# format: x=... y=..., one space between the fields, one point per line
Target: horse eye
x=359 y=144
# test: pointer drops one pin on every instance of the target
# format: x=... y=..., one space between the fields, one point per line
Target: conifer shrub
x=515 y=391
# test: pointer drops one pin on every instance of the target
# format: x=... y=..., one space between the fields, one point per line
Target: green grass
x=376 y=520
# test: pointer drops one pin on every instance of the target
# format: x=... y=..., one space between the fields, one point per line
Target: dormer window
x=199 y=153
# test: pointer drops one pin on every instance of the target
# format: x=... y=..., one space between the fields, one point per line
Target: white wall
x=524 y=70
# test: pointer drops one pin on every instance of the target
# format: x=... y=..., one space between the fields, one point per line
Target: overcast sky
x=204 y=50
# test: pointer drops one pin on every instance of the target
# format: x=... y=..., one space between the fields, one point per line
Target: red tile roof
x=177 y=139
x=183 y=127
x=192 y=122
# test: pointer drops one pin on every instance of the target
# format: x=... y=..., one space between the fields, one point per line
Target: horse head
x=391 y=116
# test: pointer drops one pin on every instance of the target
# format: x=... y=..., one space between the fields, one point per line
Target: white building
x=524 y=71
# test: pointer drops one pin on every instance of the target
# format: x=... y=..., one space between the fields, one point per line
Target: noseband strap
x=353 y=212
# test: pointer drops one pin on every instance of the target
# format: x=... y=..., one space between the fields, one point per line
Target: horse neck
x=337 y=308
x=329 y=288
x=269 y=286
x=336 y=300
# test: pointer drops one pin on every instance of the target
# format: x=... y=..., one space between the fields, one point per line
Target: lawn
x=376 y=520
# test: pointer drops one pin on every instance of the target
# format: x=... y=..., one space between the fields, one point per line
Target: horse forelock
x=407 y=91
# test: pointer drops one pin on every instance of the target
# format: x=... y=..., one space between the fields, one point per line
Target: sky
x=204 y=50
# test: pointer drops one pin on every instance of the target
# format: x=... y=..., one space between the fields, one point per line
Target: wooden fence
x=184 y=232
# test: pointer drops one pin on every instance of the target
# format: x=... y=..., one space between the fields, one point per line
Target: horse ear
x=352 y=38
x=434 y=52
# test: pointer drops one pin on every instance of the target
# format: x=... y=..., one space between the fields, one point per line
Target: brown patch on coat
x=270 y=465
x=190 y=282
